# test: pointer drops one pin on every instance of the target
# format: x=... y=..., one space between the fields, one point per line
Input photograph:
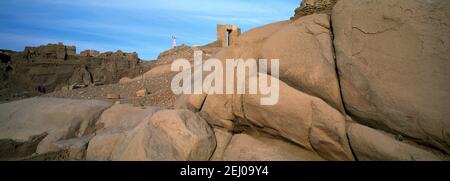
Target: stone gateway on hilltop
x=227 y=34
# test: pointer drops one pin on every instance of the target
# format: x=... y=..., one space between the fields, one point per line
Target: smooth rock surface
x=393 y=58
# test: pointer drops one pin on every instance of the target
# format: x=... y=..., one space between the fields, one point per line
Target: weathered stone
x=193 y=102
x=112 y=96
x=305 y=52
x=123 y=117
x=371 y=144
x=102 y=146
x=258 y=35
x=127 y=80
x=56 y=119
x=309 y=7
x=244 y=147
x=81 y=76
x=394 y=66
x=168 y=56
x=89 y=53
x=303 y=119
x=328 y=135
x=167 y=135
x=51 y=51
x=161 y=70
x=141 y=93
x=190 y=136
x=219 y=106
x=223 y=138
x=75 y=149
x=227 y=34
x=54 y=66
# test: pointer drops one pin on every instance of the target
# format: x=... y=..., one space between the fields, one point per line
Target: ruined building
x=51 y=51
x=89 y=53
x=56 y=66
x=227 y=34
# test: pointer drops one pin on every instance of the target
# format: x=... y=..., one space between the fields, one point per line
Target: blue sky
x=143 y=26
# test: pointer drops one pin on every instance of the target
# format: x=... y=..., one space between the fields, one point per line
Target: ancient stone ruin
x=51 y=51
x=57 y=66
x=89 y=53
x=227 y=34
x=309 y=7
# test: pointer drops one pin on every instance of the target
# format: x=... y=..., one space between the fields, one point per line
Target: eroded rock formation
x=393 y=60
x=56 y=66
x=369 y=83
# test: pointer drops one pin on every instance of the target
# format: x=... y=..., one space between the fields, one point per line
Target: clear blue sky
x=144 y=26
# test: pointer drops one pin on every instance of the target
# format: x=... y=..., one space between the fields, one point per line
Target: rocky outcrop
x=167 y=135
x=4 y=57
x=309 y=112
x=89 y=53
x=302 y=119
x=223 y=138
x=375 y=78
x=382 y=97
x=66 y=129
x=302 y=46
x=56 y=66
x=161 y=67
x=309 y=7
x=370 y=145
x=244 y=147
x=309 y=66
x=394 y=64
x=187 y=52
x=51 y=51
x=112 y=125
x=190 y=102
x=35 y=125
x=170 y=55
x=81 y=76
x=123 y=117
x=121 y=59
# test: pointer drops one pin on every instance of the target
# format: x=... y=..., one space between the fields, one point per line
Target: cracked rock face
x=306 y=55
x=393 y=58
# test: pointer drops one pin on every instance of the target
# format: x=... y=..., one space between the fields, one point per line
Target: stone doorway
x=227 y=34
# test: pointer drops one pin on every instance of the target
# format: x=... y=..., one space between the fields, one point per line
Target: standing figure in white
x=174 y=42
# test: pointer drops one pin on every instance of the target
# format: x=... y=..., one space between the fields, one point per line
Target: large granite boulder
x=394 y=66
x=305 y=50
x=36 y=124
x=369 y=144
x=244 y=147
x=300 y=118
x=167 y=135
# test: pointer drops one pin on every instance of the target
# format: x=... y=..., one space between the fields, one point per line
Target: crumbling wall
x=309 y=7
x=89 y=53
x=55 y=66
x=51 y=51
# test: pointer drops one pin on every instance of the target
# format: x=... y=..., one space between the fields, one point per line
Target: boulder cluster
x=368 y=81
